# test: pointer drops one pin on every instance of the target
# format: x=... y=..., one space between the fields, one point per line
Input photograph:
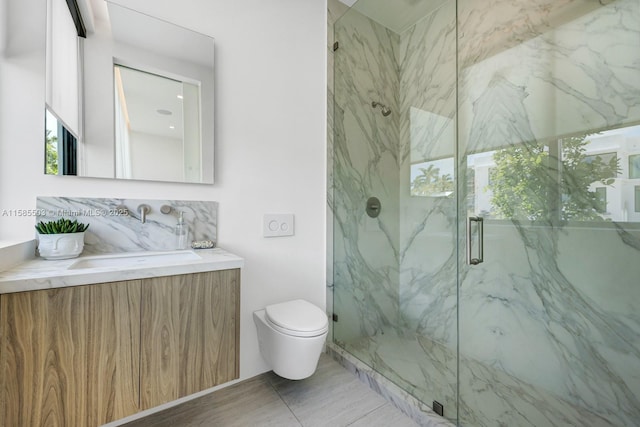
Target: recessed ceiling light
x=164 y=112
x=180 y=97
x=172 y=127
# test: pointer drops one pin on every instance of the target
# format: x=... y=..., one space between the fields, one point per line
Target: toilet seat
x=297 y=318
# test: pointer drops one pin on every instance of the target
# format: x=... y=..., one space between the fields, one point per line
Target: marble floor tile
x=418 y=411
x=424 y=368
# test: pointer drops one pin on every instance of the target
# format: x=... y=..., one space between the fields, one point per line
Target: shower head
x=385 y=110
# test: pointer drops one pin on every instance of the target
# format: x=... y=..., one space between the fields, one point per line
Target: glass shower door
x=394 y=270
x=549 y=160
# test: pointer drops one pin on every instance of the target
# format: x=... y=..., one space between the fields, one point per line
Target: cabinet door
x=114 y=351
x=189 y=334
x=209 y=331
x=70 y=356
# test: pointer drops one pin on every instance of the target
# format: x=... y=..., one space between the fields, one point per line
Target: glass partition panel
x=548 y=114
x=394 y=139
x=502 y=139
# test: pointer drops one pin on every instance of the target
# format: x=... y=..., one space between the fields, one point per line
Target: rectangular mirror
x=144 y=108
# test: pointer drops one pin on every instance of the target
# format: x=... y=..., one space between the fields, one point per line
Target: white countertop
x=39 y=273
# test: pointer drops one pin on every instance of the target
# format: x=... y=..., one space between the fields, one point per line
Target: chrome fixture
x=166 y=209
x=143 y=210
x=385 y=110
x=373 y=207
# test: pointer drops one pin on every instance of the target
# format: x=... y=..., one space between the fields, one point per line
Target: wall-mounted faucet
x=143 y=210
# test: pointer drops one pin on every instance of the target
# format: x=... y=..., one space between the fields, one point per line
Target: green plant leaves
x=61 y=226
x=528 y=182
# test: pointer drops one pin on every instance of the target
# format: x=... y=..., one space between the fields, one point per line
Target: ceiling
x=145 y=95
x=397 y=15
x=146 y=32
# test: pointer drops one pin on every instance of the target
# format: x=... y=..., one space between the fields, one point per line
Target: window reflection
x=634 y=166
x=578 y=178
x=61 y=147
x=433 y=179
x=51 y=144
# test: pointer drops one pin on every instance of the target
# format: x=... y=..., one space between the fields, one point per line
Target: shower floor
x=422 y=367
x=427 y=370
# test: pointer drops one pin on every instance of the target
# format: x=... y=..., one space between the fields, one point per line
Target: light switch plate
x=277 y=225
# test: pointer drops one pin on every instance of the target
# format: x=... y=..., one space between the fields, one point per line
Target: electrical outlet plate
x=277 y=225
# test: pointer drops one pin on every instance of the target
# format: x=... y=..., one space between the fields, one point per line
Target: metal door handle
x=480 y=222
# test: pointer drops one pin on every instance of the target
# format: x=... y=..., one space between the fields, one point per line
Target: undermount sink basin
x=140 y=259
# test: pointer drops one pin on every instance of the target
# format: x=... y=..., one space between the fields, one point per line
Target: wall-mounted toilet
x=291 y=335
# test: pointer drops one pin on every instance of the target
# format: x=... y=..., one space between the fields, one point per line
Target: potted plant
x=60 y=239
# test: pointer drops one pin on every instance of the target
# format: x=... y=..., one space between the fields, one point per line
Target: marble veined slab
x=116 y=226
x=40 y=274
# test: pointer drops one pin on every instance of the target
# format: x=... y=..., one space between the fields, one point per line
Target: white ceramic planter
x=60 y=246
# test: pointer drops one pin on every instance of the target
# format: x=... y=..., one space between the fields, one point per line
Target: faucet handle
x=144 y=210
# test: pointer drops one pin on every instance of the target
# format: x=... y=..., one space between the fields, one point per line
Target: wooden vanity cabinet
x=89 y=355
x=190 y=334
x=70 y=356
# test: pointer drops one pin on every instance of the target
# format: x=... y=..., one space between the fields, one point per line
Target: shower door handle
x=480 y=222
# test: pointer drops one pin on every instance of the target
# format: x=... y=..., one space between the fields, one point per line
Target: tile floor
x=331 y=397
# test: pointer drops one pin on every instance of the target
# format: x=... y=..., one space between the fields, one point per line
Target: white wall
x=156 y=157
x=270 y=143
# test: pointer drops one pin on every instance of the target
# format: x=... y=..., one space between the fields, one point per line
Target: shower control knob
x=373 y=207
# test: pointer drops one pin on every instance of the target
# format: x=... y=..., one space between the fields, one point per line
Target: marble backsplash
x=115 y=224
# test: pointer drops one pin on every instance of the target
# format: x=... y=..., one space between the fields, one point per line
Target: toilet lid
x=297 y=316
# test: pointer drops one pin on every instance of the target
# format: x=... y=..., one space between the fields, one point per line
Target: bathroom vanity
x=87 y=346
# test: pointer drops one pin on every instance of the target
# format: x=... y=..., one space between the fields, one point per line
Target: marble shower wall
x=365 y=164
x=548 y=326
x=111 y=229
x=395 y=278
x=551 y=316
x=565 y=67
x=427 y=64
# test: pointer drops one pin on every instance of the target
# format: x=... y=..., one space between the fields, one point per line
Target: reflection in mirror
x=157 y=126
x=583 y=177
x=129 y=63
x=63 y=66
x=60 y=147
